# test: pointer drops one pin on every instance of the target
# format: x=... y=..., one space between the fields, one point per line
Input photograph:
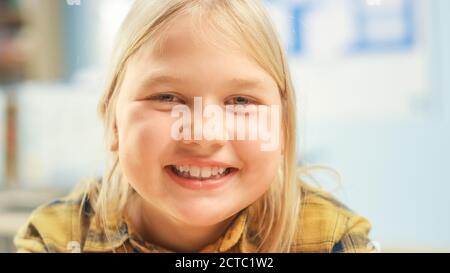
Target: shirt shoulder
x=327 y=225
x=62 y=225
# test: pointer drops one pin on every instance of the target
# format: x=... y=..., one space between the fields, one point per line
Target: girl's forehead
x=196 y=54
x=186 y=36
x=184 y=47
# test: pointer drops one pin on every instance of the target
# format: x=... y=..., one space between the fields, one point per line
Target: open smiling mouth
x=200 y=173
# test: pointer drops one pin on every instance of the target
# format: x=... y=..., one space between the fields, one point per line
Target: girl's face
x=154 y=82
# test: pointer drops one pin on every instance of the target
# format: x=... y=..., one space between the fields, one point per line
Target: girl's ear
x=115 y=143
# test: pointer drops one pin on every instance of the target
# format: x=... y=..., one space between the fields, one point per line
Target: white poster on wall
x=356 y=59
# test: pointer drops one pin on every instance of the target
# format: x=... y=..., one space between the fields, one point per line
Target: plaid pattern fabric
x=64 y=225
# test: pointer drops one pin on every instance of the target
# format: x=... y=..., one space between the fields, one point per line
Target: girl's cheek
x=260 y=169
x=255 y=160
x=142 y=131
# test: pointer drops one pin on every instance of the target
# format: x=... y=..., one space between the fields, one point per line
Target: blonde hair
x=246 y=23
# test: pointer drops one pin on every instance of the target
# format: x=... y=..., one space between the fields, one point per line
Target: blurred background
x=373 y=92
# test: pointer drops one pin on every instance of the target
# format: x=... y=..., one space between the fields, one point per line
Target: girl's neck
x=158 y=228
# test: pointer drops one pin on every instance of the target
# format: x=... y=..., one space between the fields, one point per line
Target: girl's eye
x=240 y=100
x=166 y=98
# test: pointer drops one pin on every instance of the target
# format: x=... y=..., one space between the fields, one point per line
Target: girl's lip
x=202 y=163
x=197 y=184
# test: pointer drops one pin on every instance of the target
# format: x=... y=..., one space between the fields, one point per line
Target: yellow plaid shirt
x=64 y=225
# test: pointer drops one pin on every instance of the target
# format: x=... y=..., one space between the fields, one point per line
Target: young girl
x=165 y=194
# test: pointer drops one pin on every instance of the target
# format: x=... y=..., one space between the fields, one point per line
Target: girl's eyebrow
x=158 y=79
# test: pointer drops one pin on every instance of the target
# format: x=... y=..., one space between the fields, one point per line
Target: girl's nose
x=205 y=144
x=208 y=137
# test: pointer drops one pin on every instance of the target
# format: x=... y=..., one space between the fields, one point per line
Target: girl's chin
x=202 y=218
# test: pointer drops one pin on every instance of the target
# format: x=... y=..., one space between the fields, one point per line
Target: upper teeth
x=201 y=171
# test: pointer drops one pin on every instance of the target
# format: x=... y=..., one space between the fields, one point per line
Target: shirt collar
x=121 y=231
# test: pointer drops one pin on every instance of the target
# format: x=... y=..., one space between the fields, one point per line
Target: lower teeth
x=187 y=175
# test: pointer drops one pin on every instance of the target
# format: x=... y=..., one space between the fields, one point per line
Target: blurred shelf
x=26 y=200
